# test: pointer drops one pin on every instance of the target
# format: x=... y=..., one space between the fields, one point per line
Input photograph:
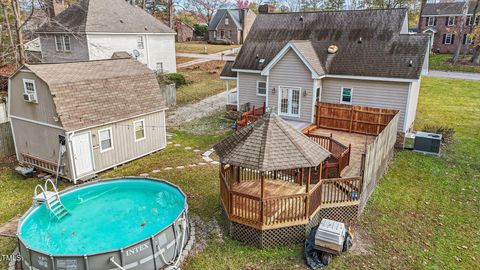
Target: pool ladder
x=51 y=199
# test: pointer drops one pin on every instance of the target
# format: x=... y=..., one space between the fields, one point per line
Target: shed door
x=82 y=154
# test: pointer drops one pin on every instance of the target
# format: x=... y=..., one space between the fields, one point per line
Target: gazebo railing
x=339 y=151
x=278 y=211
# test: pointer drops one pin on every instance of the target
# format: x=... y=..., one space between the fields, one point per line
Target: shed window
x=139 y=127
x=261 y=88
x=346 y=97
x=450 y=20
x=431 y=21
x=105 y=137
x=140 y=42
x=30 y=90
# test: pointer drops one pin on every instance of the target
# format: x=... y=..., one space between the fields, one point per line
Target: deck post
x=309 y=178
x=262 y=191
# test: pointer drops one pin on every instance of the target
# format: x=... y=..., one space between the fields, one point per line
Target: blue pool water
x=104 y=216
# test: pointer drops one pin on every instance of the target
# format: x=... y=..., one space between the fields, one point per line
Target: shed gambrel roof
x=369 y=42
x=453 y=8
x=93 y=93
x=270 y=144
x=235 y=14
x=105 y=16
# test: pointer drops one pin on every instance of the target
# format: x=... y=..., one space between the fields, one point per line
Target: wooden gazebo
x=270 y=181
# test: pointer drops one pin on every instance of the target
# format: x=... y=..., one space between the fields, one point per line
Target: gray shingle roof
x=270 y=144
x=235 y=14
x=369 y=42
x=227 y=70
x=110 y=16
x=454 y=8
x=92 y=93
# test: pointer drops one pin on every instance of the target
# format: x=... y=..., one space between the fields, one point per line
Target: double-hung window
x=30 y=90
x=62 y=43
x=226 y=21
x=261 y=88
x=346 y=97
x=139 y=128
x=448 y=38
x=289 y=101
x=140 y=42
x=431 y=21
x=450 y=20
x=105 y=138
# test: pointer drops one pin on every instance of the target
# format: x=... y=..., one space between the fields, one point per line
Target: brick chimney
x=55 y=7
x=266 y=8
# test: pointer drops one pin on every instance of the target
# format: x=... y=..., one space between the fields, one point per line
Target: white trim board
x=35 y=122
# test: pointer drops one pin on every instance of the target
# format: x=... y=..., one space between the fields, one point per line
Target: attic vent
x=360 y=40
x=332 y=49
x=256 y=57
x=121 y=21
x=146 y=27
x=301 y=18
x=410 y=63
x=261 y=61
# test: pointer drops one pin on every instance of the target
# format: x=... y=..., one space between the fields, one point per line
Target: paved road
x=202 y=58
x=193 y=111
x=454 y=75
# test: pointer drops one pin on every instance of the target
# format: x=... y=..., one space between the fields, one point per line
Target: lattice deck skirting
x=288 y=235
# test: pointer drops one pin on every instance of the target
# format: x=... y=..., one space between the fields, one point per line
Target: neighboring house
x=442 y=21
x=109 y=111
x=33 y=51
x=95 y=29
x=291 y=60
x=231 y=25
x=184 y=31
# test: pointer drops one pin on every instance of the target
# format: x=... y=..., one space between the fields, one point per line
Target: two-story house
x=231 y=25
x=442 y=21
x=96 y=29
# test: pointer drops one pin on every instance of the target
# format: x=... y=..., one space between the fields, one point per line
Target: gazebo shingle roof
x=270 y=144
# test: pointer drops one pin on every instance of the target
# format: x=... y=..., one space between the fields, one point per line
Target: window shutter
x=453 y=39
x=444 y=36
x=426 y=20
x=434 y=21
x=464 y=38
x=446 y=21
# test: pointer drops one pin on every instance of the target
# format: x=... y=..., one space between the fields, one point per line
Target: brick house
x=231 y=25
x=442 y=21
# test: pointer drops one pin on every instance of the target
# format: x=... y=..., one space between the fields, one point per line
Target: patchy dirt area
x=362 y=245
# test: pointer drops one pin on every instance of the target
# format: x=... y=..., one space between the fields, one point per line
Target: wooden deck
x=273 y=188
x=358 y=143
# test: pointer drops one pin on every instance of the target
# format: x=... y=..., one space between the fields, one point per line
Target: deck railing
x=277 y=211
x=340 y=152
x=250 y=116
x=45 y=165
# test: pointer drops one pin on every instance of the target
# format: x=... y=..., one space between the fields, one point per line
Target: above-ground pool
x=126 y=223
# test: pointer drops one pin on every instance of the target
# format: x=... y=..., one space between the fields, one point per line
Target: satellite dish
x=136 y=53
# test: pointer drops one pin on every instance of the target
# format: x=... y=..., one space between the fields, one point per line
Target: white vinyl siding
x=379 y=94
x=291 y=72
x=247 y=85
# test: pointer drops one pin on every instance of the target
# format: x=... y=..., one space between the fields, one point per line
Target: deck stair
x=51 y=199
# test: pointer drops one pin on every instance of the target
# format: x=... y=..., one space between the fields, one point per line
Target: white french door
x=289 y=101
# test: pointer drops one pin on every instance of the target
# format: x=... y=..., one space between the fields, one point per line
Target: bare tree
x=471 y=35
x=11 y=37
x=461 y=32
x=208 y=7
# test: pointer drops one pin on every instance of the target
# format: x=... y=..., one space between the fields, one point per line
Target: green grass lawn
x=203 y=81
x=199 y=47
x=441 y=62
x=424 y=214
